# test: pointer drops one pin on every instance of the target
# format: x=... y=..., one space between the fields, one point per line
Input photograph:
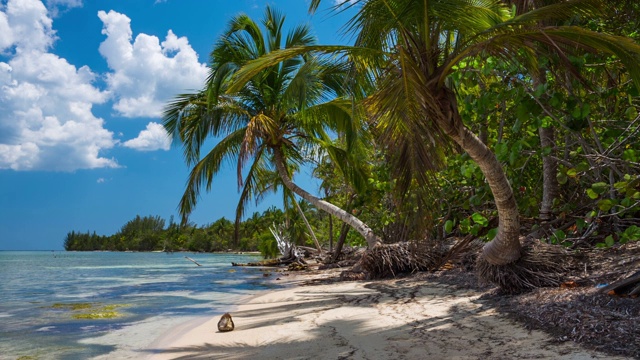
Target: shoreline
x=135 y=340
x=169 y=337
x=406 y=318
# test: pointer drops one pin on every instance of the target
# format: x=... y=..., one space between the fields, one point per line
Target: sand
x=392 y=319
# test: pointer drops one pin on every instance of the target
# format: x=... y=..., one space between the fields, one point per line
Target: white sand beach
x=391 y=319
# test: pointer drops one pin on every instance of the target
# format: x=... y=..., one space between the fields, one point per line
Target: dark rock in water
x=226 y=323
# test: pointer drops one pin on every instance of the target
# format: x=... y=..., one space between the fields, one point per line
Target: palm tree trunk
x=549 y=170
x=505 y=248
x=357 y=224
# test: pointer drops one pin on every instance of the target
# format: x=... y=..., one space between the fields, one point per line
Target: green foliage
x=268 y=246
x=146 y=234
x=589 y=101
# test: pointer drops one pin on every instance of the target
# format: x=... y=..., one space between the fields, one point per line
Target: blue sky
x=82 y=86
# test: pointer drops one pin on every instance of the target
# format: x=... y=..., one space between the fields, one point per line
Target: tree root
x=541 y=265
x=389 y=260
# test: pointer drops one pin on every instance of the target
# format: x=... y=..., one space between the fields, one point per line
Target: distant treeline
x=150 y=233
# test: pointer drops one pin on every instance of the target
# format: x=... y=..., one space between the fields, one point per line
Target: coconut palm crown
x=269 y=124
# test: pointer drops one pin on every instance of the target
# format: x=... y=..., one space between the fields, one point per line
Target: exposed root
x=462 y=254
x=541 y=265
x=389 y=260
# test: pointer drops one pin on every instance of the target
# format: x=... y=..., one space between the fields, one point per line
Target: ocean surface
x=80 y=305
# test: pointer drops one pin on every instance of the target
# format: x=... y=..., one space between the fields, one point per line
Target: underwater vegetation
x=90 y=311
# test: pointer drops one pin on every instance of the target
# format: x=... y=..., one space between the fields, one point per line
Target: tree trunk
x=371 y=238
x=549 y=173
x=505 y=248
x=343 y=237
x=313 y=235
x=330 y=233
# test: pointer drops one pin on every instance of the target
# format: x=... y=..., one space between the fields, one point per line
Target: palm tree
x=411 y=48
x=267 y=124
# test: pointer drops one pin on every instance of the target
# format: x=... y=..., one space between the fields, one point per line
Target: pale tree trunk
x=371 y=238
x=549 y=164
x=549 y=173
x=505 y=248
x=313 y=235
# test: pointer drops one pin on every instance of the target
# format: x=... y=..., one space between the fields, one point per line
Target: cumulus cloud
x=6 y=33
x=146 y=72
x=153 y=138
x=46 y=119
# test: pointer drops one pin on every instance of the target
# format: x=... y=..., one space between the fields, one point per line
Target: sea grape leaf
x=592 y=194
x=479 y=219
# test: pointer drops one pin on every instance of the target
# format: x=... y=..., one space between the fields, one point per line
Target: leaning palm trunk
x=362 y=228
x=505 y=248
x=504 y=261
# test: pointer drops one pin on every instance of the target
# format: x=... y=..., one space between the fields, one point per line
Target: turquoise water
x=44 y=295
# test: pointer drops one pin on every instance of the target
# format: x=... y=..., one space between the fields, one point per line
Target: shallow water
x=45 y=297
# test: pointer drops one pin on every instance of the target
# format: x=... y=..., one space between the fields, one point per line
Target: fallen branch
x=190 y=259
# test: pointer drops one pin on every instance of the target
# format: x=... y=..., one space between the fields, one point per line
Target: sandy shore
x=392 y=319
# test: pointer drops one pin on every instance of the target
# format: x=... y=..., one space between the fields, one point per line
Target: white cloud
x=31 y=27
x=153 y=138
x=146 y=72
x=57 y=6
x=46 y=119
x=6 y=34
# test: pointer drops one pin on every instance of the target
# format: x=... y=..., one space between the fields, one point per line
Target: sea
x=83 y=305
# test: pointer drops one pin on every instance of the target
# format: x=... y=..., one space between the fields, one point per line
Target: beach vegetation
x=417 y=53
x=495 y=121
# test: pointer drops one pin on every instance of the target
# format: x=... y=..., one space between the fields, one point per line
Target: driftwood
x=193 y=261
x=626 y=286
x=268 y=262
x=290 y=252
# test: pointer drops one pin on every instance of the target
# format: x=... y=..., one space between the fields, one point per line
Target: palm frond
x=364 y=57
x=351 y=166
x=204 y=171
x=407 y=121
x=256 y=184
x=560 y=11
x=243 y=24
x=273 y=21
x=522 y=44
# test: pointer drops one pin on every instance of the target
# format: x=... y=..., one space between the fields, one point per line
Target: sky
x=82 y=88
